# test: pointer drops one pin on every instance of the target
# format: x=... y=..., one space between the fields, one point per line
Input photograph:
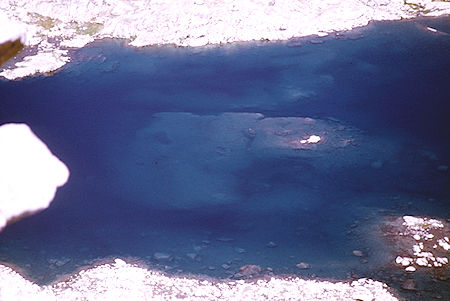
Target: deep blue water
x=144 y=182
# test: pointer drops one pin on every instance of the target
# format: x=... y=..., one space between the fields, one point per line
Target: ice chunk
x=422 y=261
x=311 y=139
x=404 y=261
x=410 y=269
x=444 y=243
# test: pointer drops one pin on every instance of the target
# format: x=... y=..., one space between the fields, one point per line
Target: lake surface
x=157 y=167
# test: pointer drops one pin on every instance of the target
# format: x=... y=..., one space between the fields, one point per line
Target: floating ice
x=404 y=261
x=426 y=252
x=311 y=139
x=410 y=269
x=444 y=243
x=422 y=261
x=421 y=224
x=442 y=260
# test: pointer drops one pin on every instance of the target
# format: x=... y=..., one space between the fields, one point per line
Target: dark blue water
x=146 y=177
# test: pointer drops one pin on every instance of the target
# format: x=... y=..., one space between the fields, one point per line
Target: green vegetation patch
x=88 y=28
x=43 y=21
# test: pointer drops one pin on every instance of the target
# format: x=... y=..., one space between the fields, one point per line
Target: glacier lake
x=197 y=160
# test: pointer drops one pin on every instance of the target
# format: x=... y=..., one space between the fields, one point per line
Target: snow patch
x=29 y=173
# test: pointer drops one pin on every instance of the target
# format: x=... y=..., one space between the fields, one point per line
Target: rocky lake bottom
x=197 y=160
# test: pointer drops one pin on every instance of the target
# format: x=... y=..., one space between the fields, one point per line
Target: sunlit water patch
x=205 y=160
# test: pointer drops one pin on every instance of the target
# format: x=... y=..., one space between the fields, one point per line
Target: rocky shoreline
x=120 y=280
x=54 y=27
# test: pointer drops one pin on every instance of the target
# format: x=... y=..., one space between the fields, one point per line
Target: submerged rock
x=193 y=256
x=225 y=239
x=201 y=164
x=271 y=244
x=226 y=266
x=240 y=250
x=303 y=266
x=60 y=261
x=248 y=271
x=409 y=285
x=442 y=168
x=162 y=256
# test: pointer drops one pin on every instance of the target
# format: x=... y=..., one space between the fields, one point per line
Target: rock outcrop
x=12 y=38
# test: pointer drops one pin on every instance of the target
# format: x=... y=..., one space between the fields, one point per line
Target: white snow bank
x=197 y=23
x=29 y=173
x=42 y=62
x=123 y=281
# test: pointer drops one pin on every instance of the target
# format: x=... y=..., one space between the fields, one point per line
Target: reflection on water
x=156 y=167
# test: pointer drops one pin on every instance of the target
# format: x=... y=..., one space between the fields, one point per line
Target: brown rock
x=303 y=266
x=9 y=49
x=248 y=271
x=409 y=285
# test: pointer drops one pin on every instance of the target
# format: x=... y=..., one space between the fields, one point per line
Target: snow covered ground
x=14 y=32
x=53 y=26
x=122 y=281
